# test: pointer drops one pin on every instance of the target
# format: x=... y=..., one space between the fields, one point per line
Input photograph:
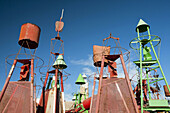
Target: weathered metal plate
x=40 y=107
x=16 y=98
x=50 y=101
x=115 y=97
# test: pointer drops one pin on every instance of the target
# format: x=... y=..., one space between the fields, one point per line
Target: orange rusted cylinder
x=29 y=36
x=98 y=52
x=167 y=93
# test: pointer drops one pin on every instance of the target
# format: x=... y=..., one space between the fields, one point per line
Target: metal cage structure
x=148 y=63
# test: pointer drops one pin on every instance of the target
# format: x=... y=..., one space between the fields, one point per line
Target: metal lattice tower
x=147 y=64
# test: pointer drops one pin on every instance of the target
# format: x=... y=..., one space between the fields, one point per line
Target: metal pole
x=56 y=91
x=32 y=85
x=62 y=92
x=128 y=82
x=49 y=82
x=148 y=84
x=141 y=74
x=160 y=67
x=62 y=86
x=99 y=87
x=42 y=97
x=158 y=62
x=94 y=83
x=79 y=98
x=76 y=100
x=8 y=79
x=34 y=98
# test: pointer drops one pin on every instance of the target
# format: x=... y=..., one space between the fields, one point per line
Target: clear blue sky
x=87 y=22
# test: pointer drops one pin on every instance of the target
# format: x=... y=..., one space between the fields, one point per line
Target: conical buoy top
x=84 y=76
x=60 y=63
x=80 y=80
x=142 y=26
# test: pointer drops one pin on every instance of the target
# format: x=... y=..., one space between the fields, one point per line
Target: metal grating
x=17 y=98
x=115 y=97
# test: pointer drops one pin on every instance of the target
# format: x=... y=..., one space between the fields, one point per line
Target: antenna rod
x=62 y=14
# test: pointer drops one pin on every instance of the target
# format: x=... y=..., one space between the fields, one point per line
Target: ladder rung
x=153 y=69
x=150 y=66
x=156 y=80
x=157 y=108
x=146 y=63
x=153 y=78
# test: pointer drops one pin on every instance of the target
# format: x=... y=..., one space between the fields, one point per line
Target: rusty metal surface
x=98 y=52
x=167 y=93
x=56 y=92
x=40 y=106
x=128 y=83
x=49 y=103
x=41 y=97
x=29 y=36
x=16 y=98
x=99 y=87
x=112 y=69
x=112 y=57
x=46 y=97
x=115 y=97
x=91 y=103
x=8 y=79
x=32 y=86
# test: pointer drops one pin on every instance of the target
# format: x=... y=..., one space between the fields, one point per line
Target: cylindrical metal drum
x=167 y=93
x=29 y=36
x=98 y=52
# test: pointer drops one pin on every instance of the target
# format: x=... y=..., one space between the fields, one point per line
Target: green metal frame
x=155 y=109
x=78 y=101
x=146 y=64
